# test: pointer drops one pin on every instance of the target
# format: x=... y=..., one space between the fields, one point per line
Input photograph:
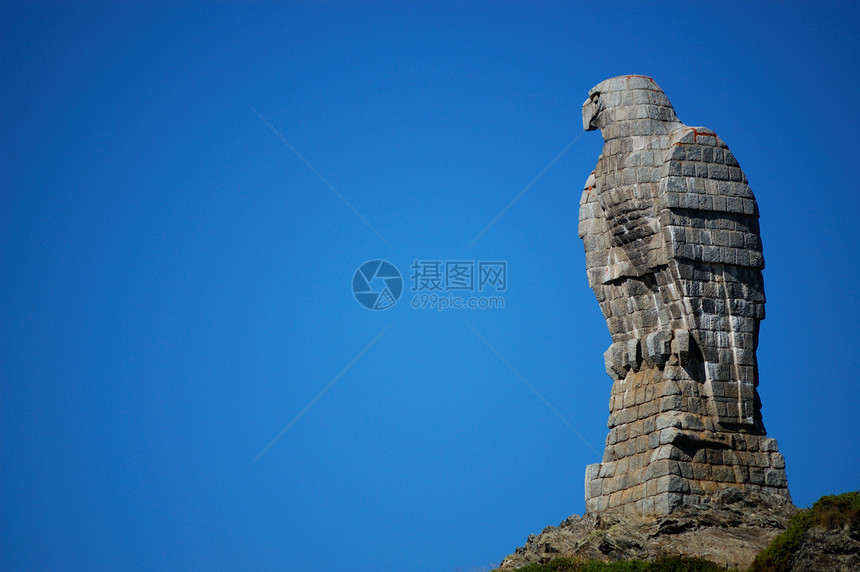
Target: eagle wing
x=709 y=220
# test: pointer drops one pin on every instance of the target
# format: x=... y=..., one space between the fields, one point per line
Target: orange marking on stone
x=696 y=135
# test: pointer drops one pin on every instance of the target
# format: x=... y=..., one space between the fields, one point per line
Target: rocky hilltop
x=730 y=529
x=752 y=529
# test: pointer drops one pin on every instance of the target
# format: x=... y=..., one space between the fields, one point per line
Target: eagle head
x=623 y=99
x=591 y=109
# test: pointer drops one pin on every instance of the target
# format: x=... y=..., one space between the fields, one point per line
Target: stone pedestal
x=664 y=449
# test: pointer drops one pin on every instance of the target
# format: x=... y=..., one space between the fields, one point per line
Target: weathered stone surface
x=674 y=257
x=730 y=528
x=823 y=550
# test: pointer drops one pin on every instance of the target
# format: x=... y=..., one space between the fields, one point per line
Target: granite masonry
x=674 y=256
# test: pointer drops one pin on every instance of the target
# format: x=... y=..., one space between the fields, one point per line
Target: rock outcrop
x=729 y=529
x=823 y=550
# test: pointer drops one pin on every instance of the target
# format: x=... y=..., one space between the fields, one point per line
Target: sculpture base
x=664 y=450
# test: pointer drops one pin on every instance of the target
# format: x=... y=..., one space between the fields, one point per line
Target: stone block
x=670 y=435
x=666 y=420
x=691 y=422
x=633 y=355
x=777 y=461
x=715 y=456
x=701 y=471
x=628 y=415
x=647 y=410
x=696 y=488
x=742 y=474
x=658 y=347
x=614 y=361
x=682 y=345
x=593 y=489
x=686 y=469
x=639 y=395
x=670 y=387
x=672 y=403
x=664 y=467
x=768 y=444
x=609 y=455
x=756 y=475
x=661 y=452
x=647 y=506
x=626 y=496
x=665 y=503
x=775 y=478
x=606 y=470
x=648 y=424
x=722 y=473
x=752 y=442
x=631 y=447
x=712 y=487
x=685 y=454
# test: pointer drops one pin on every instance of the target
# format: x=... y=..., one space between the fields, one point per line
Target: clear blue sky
x=176 y=281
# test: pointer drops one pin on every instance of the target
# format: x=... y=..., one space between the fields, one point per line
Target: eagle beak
x=589 y=115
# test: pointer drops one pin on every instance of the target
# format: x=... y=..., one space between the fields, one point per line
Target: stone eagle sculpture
x=674 y=256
